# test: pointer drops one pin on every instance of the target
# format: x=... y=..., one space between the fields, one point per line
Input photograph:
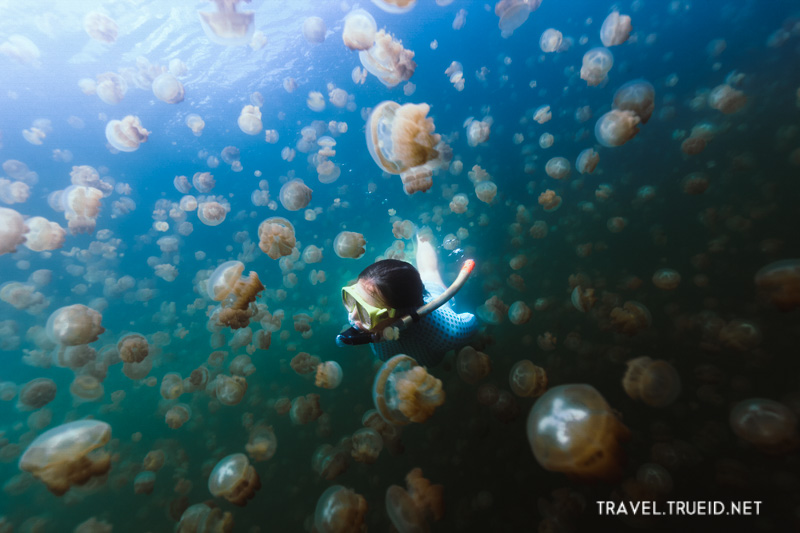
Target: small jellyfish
x=234 y=479
x=168 y=89
x=779 y=284
x=340 y=510
x=329 y=375
x=572 y=429
x=69 y=454
x=178 y=415
x=472 y=365
x=478 y=131
x=558 y=168
x=171 y=386
x=349 y=244
x=615 y=29
x=587 y=161
x=616 y=127
x=295 y=195
x=666 y=279
x=127 y=134
x=513 y=14
x=196 y=124
x=726 y=99
x=656 y=383
x=74 y=324
x=768 y=425
x=549 y=200
x=596 y=64
x=250 y=120
x=12 y=230
x=262 y=444
x=404 y=392
x=359 y=30
x=527 y=380
x=542 y=114
x=111 y=87
x=100 y=27
x=276 y=237
x=550 y=41
x=43 y=235
x=388 y=60
x=133 y=348
x=367 y=444
x=226 y=26
x=230 y=389
x=314 y=30
x=212 y=213
x=519 y=313
x=202 y=517
x=144 y=482
x=486 y=191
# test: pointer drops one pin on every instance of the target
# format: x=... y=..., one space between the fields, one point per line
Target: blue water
x=492 y=482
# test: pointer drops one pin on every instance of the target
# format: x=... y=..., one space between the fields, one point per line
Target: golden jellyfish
x=587 y=161
x=616 y=127
x=596 y=64
x=312 y=254
x=250 y=120
x=100 y=27
x=740 y=335
x=459 y=203
x=486 y=191
x=412 y=510
x=12 y=230
x=768 y=425
x=329 y=375
x=631 y=318
x=695 y=183
x=234 y=479
x=404 y=392
x=542 y=114
x=726 y=99
x=349 y=244
x=388 y=60
x=262 y=444
x=154 y=460
x=69 y=454
x=367 y=444
x=168 y=89
x=226 y=26
x=558 y=168
x=144 y=482
x=359 y=30
x=36 y=393
x=111 y=87
x=340 y=510
x=637 y=96
x=549 y=200
x=655 y=383
x=693 y=145
x=572 y=429
x=583 y=299
x=519 y=313
x=295 y=195
x=527 y=380
x=178 y=415
x=127 y=134
x=196 y=124
x=417 y=179
x=202 y=518
x=171 y=386
x=615 y=29
x=314 y=30
x=395 y=6
x=73 y=325
x=305 y=409
x=513 y=14
x=472 y=365
x=86 y=388
x=478 y=131
x=230 y=389
x=21 y=49
x=133 y=348
x=401 y=137
x=276 y=237
x=550 y=41
x=666 y=279
x=304 y=363
x=212 y=213
x=779 y=284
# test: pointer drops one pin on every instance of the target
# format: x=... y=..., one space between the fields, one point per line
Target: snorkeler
x=392 y=294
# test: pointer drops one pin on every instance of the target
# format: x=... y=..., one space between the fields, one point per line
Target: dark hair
x=398 y=282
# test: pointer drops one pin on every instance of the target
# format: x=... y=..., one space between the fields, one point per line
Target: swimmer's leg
x=427 y=260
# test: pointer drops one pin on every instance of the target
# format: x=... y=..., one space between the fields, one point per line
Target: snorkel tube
x=354 y=336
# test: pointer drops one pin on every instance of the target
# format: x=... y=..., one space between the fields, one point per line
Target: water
x=716 y=240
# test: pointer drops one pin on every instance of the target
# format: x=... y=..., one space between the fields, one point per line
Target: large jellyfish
x=68 y=455
x=637 y=96
x=401 y=137
x=74 y=324
x=359 y=30
x=168 y=89
x=234 y=479
x=340 y=510
x=616 y=127
x=596 y=64
x=276 y=237
x=349 y=244
x=227 y=26
x=295 y=195
x=388 y=60
x=250 y=120
x=404 y=392
x=127 y=134
x=12 y=230
x=615 y=29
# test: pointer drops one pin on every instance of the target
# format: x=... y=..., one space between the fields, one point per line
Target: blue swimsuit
x=434 y=335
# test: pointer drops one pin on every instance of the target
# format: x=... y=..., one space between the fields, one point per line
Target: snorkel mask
x=369 y=315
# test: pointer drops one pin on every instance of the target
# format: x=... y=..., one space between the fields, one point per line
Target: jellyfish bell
x=276 y=237
x=226 y=26
x=655 y=383
x=314 y=30
x=514 y=13
x=12 y=230
x=387 y=60
x=637 y=96
x=401 y=137
x=595 y=66
x=404 y=392
x=587 y=161
x=68 y=455
x=168 y=89
x=340 y=510
x=616 y=127
x=127 y=134
x=349 y=245
x=223 y=280
x=395 y=6
x=615 y=29
x=766 y=424
x=234 y=479
x=100 y=27
x=73 y=325
x=778 y=283
x=295 y=195
x=359 y=30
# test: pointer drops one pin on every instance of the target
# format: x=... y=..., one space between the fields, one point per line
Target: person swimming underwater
x=390 y=289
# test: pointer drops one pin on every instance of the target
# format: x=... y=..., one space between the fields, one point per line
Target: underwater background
x=716 y=215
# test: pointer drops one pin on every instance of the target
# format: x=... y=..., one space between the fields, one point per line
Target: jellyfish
x=726 y=99
x=349 y=244
x=403 y=513
x=86 y=387
x=340 y=510
x=295 y=195
x=615 y=29
x=388 y=60
x=144 y=482
x=100 y=27
x=127 y=134
x=133 y=348
x=202 y=517
x=305 y=409
x=459 y=203
x=527 y=380
x=550 y=41
x=542 y=114
x=212 y=213
x=230 y=389
x=359 y=30
x=596 y=64
x=304 y=363
x=111 y=87
x=329 y=375
x=519 y=313
x=168 y=89
x=472 y=365
x=404 y=392
x=250 y=120
x=367 y=444
x=312 y=254
x=234 y=479
x=178 y=415
x=276 y=237
x=12 y=230
x=768 y=425
x=21 y=49
x=478 y=131
x=587 y=161
x=572 y=429
x=69 y=454
x=656 y=383
x=262 y=443
x=395 y=6
x=314 y=30
x=203 y=181
x=486 y=191
x=196 y=124
x=549 y=200
x=401 y=137
x=226 y=26
x=637 y=96
x=616 y=127
x=778 y=283
x=513 y=14
x=558 y=168
x=36 y=393
x=666 y=279
x=171 y=386
x=154 y=460
x=74 y=324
